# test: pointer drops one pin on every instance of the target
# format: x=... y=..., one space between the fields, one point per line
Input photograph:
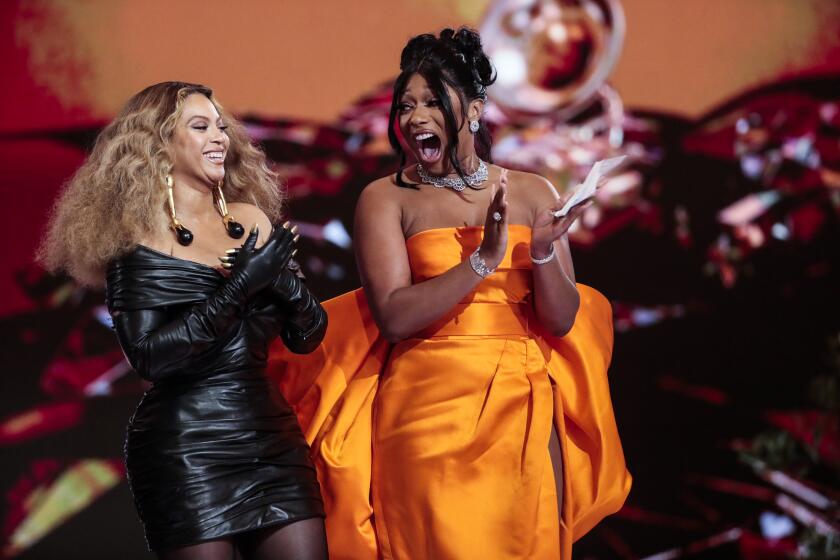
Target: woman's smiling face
x=199 y=142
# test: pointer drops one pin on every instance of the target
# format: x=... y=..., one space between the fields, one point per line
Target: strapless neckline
x=522 y=227
x=188 y=262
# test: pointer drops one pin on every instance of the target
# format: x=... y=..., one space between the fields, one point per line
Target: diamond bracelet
x=543 y=260
x=479 y=266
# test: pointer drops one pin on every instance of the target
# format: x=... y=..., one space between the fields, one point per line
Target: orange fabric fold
x=437 y=447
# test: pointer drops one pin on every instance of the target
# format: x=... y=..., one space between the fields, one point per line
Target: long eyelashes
x=203 y=128
x=404 y=108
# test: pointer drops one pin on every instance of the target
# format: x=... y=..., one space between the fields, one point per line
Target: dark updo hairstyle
x=453 y=59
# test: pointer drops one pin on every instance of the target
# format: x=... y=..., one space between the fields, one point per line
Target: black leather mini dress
x=213 y=449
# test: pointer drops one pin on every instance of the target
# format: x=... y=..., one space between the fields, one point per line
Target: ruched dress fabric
x=213 y=449
x=438 y=446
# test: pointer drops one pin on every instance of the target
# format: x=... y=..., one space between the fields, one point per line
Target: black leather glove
x=306 y=321
x=158 y=347
x=257 y=268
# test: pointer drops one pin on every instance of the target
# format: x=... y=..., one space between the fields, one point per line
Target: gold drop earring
x=184 y=236
x=234 y=228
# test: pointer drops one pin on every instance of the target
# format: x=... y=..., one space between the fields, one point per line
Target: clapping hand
x=259 y=267
x=494 y=244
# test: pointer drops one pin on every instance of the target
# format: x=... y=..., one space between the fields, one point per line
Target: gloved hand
x=254 y=269
x=306 y=320
x=160 y=347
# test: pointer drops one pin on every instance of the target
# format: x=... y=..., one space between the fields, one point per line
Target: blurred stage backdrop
x=718 y=246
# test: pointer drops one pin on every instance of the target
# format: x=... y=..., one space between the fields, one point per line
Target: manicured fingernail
x=231 y=251
x=294 y=229
x=294 y=252
x=254 y=228
x=287 y=224
x=296 y=238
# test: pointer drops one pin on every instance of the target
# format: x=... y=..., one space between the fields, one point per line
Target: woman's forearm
x=556 y=299
x=305 y=320
x=410 y=309
x=158 y=346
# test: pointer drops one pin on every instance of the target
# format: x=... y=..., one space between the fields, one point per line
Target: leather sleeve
x=306 y=321
x=158 y=346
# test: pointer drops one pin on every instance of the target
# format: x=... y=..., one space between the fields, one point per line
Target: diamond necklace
x=455 y=183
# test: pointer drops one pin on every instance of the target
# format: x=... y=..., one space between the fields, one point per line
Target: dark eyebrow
x=428 y=92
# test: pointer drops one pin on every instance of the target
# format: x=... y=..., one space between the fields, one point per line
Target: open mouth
x=215 y=157
x=428 y=146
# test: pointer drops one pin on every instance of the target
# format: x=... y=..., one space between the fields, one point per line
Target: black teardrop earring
x=184 y=236
x=234 y=228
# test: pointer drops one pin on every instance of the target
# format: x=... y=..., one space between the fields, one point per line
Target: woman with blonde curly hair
x=216 y=460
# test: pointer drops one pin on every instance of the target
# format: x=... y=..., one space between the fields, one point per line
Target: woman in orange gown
x=458 y=407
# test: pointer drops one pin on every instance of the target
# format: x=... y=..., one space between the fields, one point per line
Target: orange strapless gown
x=437 y=447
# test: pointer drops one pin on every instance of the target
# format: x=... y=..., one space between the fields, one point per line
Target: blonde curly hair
x=117 y=198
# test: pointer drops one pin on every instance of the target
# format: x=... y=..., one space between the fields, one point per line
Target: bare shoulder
x=382 y=195
x=532 y=186
x=162 y=243
x=384 y=186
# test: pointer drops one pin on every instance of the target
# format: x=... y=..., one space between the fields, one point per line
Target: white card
x=586 y=190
